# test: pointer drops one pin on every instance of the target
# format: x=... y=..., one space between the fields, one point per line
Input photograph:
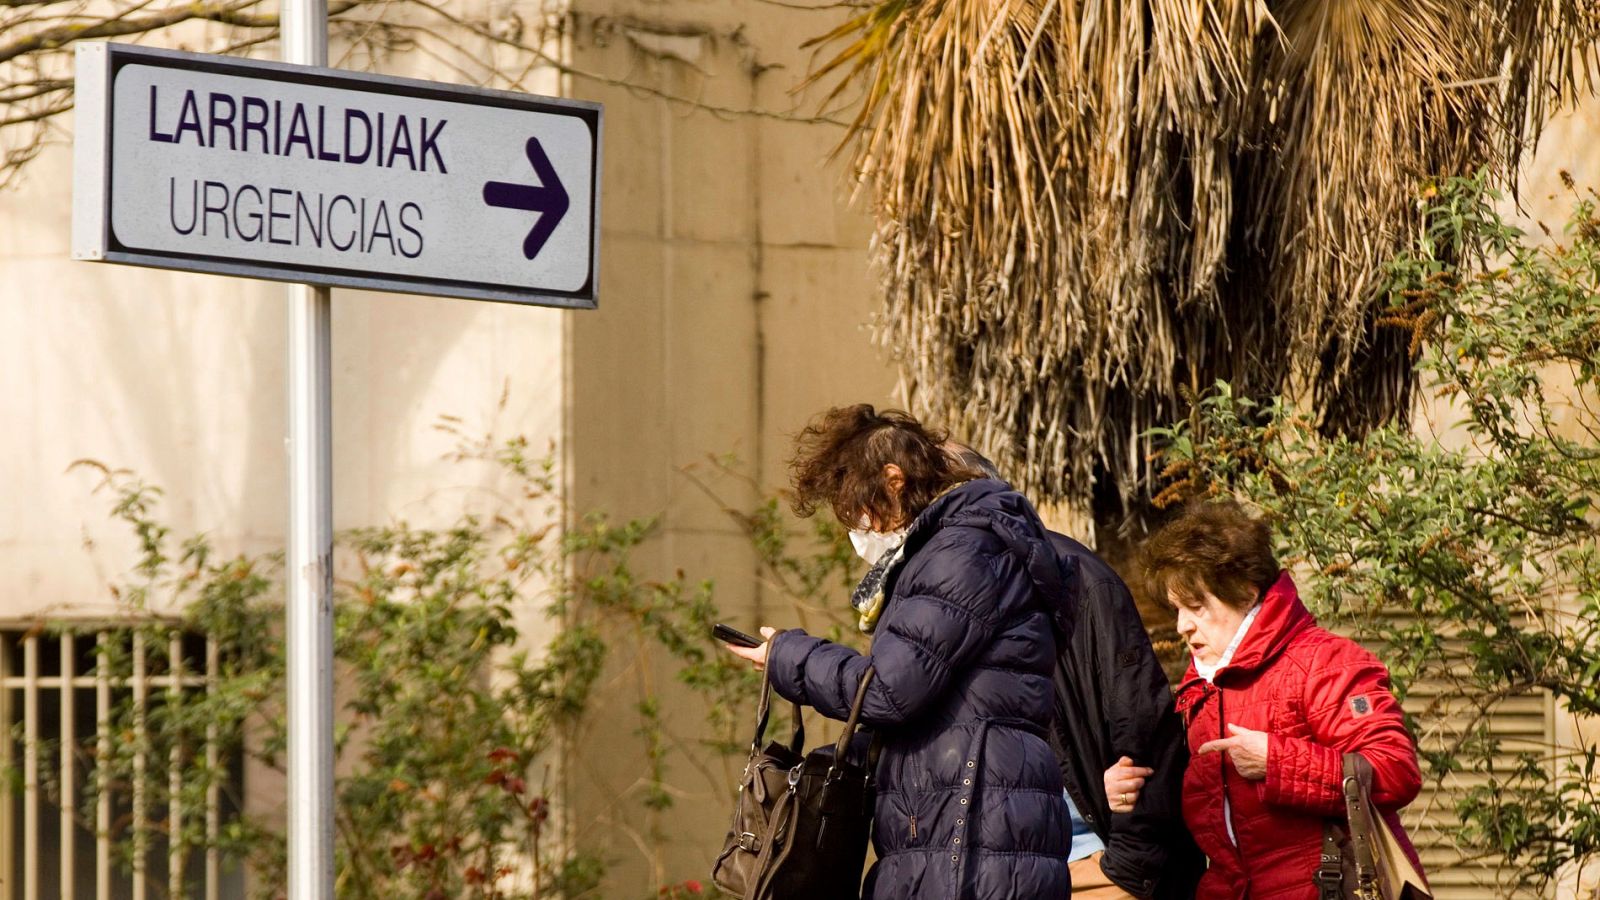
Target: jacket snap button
x=967 y=781
x=952 y=857
x=958 y=840
x=963 y=801
x=970 y=763
x=961 y=821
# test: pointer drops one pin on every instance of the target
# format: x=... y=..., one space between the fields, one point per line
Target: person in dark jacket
x=958 y=601
x=1115 y=726
x=1115 y=722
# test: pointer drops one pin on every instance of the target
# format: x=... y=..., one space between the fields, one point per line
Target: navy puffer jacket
x=970 y=802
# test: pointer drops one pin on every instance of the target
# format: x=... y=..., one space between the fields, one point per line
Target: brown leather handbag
x=802 y=820
x=1361 y=858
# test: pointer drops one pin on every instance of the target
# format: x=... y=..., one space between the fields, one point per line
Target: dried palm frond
x=1086 y=206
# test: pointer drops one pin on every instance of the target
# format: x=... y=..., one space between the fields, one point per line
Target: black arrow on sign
x=548 y=198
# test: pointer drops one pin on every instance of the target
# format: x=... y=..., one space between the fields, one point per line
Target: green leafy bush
x=1468 y=554
x=450 y=723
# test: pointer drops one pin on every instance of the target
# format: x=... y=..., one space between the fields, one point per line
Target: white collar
x=1209 y=673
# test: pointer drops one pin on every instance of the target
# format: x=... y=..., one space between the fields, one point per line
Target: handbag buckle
x=1329 y=881
x=748 y=842
x=794 y=777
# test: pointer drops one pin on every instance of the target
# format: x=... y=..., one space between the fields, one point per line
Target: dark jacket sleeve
x=943 y=611
x=1141 y=728
x=1125 y=708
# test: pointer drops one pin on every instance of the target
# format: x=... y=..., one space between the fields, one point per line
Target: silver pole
x=304 y=27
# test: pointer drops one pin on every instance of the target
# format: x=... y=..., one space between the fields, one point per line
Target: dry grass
x=1087 y=207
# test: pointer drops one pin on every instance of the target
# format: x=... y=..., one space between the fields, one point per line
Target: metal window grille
x=55 y=702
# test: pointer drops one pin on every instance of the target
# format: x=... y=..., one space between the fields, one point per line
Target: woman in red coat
x=1271 y=702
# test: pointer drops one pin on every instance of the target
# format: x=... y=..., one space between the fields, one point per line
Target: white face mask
x=874 y=545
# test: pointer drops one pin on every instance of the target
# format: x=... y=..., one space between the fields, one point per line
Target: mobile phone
x=734 y=636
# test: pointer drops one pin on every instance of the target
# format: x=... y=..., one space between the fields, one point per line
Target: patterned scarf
x=868 y=598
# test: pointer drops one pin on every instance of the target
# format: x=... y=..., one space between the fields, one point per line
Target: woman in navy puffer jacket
x=961 y=602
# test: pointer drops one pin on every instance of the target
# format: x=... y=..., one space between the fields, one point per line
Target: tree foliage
x=1086 y=208
x=1469 y=556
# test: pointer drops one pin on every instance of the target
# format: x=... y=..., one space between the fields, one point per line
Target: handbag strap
x=1357 y=786
x=874 y=750
x=851 y=724
x=854 y=720
x=779 y=825
x=797 y=736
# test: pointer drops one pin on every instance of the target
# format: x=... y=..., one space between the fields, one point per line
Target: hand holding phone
x=734 y=636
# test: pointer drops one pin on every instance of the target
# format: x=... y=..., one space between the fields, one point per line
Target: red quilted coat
x=1317 y=695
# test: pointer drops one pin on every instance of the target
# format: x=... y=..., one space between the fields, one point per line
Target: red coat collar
x=1281 y=618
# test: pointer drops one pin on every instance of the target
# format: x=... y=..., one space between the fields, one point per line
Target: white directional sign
x=266 y=170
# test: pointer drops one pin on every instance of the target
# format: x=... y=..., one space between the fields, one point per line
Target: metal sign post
x=304 y=29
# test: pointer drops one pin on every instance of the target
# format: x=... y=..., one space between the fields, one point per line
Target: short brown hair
x=839 y=459
x=1212 y=546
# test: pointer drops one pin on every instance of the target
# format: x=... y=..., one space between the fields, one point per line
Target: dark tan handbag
x=802 y=820
x=1361 y=858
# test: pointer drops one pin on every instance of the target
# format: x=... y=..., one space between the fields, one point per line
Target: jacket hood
x=1282 y=617
x=994 y=506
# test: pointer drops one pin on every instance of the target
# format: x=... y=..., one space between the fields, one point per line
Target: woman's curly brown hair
x=839 y=459
x=1214 y=547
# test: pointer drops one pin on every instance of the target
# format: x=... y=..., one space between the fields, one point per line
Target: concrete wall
x=734 y=306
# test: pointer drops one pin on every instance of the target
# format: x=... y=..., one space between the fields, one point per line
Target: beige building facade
x=735 y=302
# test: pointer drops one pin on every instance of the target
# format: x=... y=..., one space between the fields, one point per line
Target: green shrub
x=449 y=721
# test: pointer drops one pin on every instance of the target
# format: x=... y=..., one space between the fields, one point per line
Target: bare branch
x=37 y=115
x=645 y=90
x=226 y=14
x=36 y=38
x=28 y=90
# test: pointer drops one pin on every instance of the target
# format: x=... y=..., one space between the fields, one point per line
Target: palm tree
x=1088 y=209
